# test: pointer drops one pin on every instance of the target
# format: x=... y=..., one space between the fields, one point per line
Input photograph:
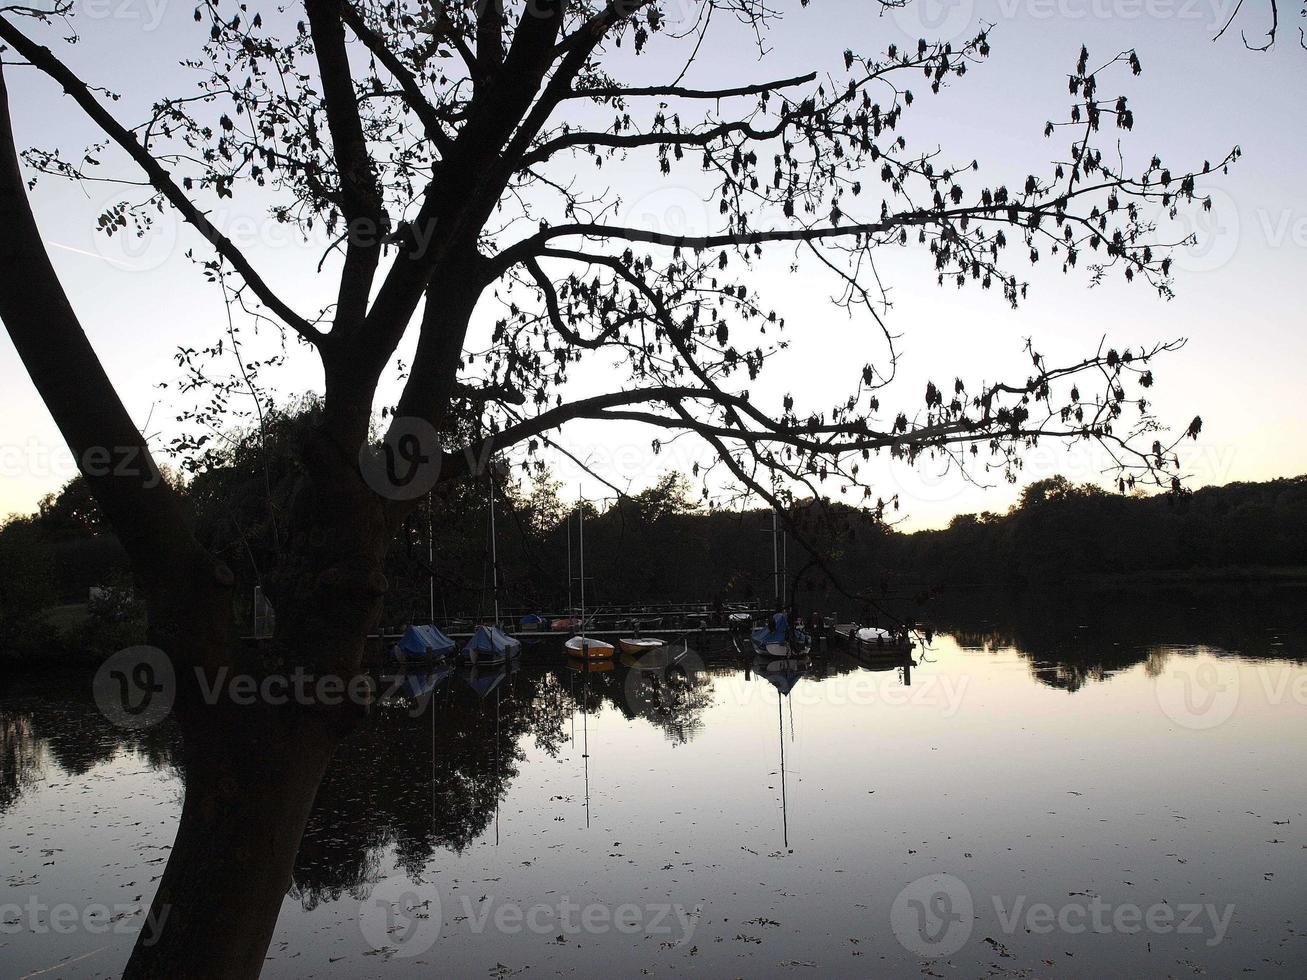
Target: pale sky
x=1238 y=292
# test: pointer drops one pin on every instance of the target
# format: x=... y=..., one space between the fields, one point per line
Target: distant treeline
x=1060 y=531
x=661 y=545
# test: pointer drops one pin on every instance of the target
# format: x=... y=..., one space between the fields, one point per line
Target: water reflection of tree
x=383 y=791
x=1076 y=638
x=674 y=703
x=425 y=775
x=38 y=734
x=22 y=757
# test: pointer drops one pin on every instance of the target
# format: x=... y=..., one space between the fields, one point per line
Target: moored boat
x=660 y=658
x=588 y=648
x=422 y=643
x=778 y=639
x=489 y=645
x=874 y=639
x=874 y=636
x=636 y=646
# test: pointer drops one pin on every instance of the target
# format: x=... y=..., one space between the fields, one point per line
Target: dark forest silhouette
x=660 y=546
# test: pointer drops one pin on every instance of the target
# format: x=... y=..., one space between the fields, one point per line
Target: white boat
x=875 y=638
x=582 y=646
x=636 y=646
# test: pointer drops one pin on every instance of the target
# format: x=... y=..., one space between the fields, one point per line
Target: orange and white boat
x=589 y=648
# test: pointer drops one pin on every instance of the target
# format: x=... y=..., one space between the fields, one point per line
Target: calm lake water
x=1061 y=790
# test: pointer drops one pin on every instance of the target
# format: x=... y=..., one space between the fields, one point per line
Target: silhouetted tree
x=441 y=146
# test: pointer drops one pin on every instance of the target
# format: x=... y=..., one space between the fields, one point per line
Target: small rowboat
x=565 y=625
x=662 y=658
x=588 y=648
x=874 y=638
x=636 y=646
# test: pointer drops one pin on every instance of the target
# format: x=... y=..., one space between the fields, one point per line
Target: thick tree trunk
x=185 y=589
x=251 y=777
x=251 y=772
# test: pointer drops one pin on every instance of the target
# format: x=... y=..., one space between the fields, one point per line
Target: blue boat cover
x=531 y=621
x=776 y=632
x=424 y=641
x=491 y=643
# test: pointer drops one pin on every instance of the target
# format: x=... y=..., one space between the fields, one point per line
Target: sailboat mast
x=585 y=736
x=785 y=567
x=580 y=539
x=431 y=707
x=494 y=549
x=775 y=559
x=431 y=564
x=785 y=813
x=497 y=770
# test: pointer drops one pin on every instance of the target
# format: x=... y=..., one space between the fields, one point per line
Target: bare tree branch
x=43 y=59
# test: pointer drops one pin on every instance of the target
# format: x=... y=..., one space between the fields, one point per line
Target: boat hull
x=637 y=646
x=589 y=649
